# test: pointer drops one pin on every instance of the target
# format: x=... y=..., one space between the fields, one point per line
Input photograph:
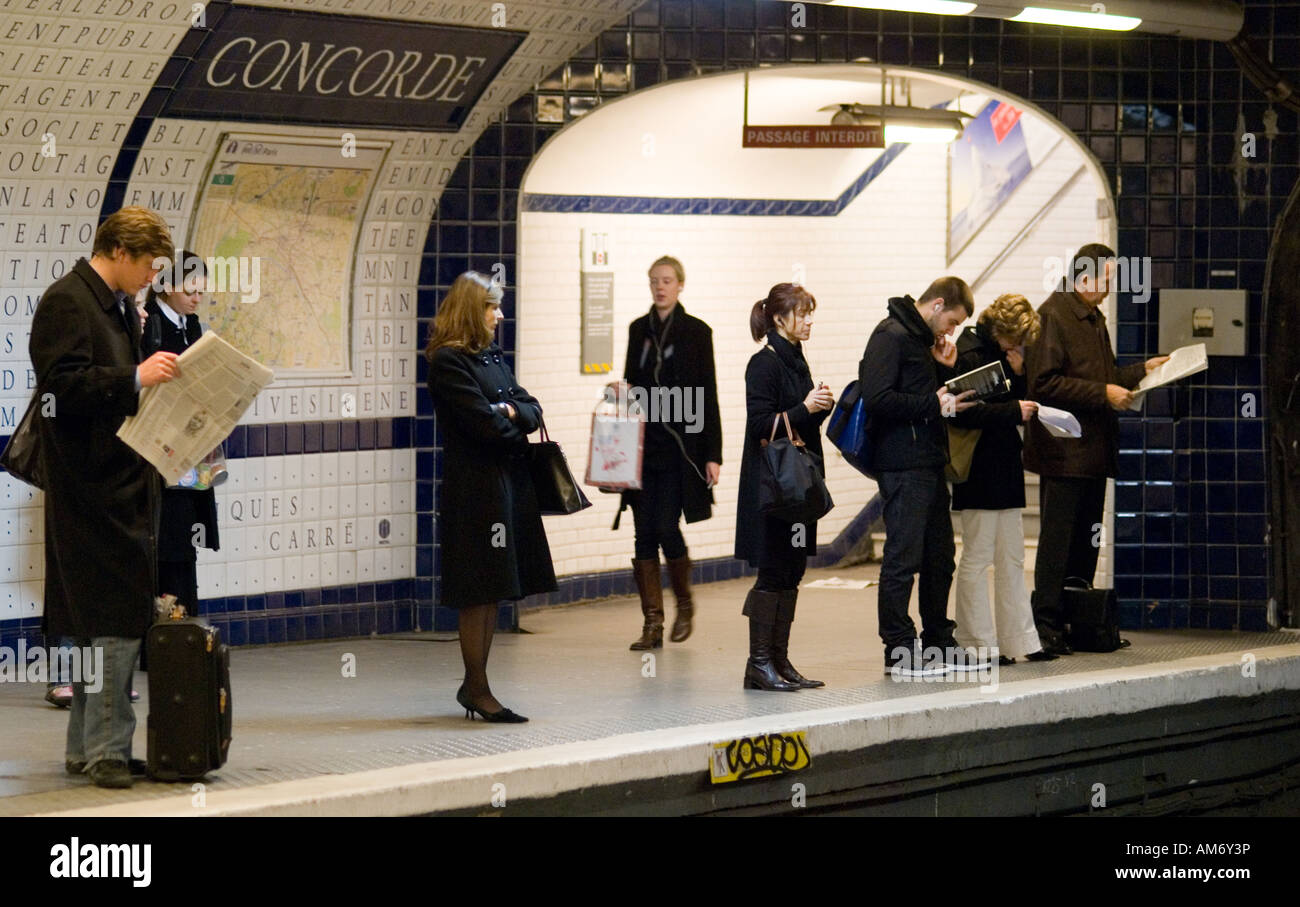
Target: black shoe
x=136 y=767
x=1057 y=647
x=1041 y=655
x=110 y=773
x=1003 y=661
x=908 y=661
x=505 y=716
x=961 y=658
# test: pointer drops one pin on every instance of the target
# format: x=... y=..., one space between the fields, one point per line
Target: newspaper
x=1059 y=423
x=180 y=421
x=1184 y=361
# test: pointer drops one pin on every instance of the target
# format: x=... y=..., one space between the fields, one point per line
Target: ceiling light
x=936 y=7
x=1044 y=16
x=901 y=132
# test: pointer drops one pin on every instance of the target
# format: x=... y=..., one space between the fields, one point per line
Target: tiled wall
x=1161 y=116
x=319 y=518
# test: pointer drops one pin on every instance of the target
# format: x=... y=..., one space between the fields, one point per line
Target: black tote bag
x=790 y=486
x=22 y=455
x=557 y=492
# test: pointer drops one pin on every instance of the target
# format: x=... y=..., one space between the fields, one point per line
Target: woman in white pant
x=992 y=498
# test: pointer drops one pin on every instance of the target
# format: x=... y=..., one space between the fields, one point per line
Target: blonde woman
x=493 y=543
x=991 y=499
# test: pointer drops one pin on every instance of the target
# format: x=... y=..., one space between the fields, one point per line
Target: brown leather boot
x=651 y=590
x=679 y=572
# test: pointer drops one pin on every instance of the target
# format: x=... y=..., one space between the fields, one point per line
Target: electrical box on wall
x=1216 y=318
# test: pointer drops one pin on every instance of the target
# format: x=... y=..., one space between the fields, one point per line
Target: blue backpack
x=848 y=430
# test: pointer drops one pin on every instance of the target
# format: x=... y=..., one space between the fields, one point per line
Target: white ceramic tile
x=254 y=577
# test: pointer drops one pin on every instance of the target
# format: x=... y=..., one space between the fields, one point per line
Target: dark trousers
x=918 y=540
x=180 y=578
x=1070 y=513
x=781 y=579
x=656 y=510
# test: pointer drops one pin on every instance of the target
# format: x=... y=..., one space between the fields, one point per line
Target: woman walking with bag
x=991 y=499
x=493 y=543
x=778 y=385
x=670 y=359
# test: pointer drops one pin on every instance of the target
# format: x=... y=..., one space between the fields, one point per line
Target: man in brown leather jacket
x=1072 y=366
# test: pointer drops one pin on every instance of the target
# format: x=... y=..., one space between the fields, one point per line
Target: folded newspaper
x=1184 y=361
x=1059 y=422
x=179 y=422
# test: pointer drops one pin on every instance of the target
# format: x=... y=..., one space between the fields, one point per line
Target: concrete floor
x=298 y=717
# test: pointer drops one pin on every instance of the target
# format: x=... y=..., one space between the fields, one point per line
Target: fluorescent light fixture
x=899 y=132
x=936 y=7
x=1044 y=16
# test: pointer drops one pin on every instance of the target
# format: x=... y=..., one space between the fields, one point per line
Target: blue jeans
x=918 y=540
x=59 y=678
x=102 y=724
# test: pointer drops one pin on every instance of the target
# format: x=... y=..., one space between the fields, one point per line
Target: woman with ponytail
x=777 y=381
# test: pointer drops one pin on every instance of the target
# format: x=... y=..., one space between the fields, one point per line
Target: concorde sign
x=272 y=66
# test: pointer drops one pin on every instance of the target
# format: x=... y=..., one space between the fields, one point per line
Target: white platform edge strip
x=542 y=772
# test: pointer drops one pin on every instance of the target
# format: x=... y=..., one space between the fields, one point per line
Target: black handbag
x=1091 y=617
x=790 y=485
x=22 y=455
x=557 y=492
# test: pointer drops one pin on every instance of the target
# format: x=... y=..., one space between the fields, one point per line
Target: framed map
x=277 y=224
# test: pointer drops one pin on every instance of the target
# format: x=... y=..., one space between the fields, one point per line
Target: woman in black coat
x=173 y=326
x=777 y=382
x=493 y=543
x=992 y=497
x=670 y=361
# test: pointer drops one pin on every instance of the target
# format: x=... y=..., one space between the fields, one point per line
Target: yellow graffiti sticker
x=758 y=757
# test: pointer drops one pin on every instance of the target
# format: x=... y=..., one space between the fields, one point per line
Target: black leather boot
x=760 y=673
x=781 y=641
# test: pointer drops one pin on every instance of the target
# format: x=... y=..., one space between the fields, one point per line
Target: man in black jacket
x=101 y=497
x=901 y=392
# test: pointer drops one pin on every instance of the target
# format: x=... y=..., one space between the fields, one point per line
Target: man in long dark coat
x=101 y=497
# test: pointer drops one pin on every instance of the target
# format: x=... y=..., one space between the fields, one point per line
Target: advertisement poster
x=985 y=166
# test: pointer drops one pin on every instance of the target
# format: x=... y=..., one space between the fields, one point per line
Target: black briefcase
x=189 y=700
x=1091 y=617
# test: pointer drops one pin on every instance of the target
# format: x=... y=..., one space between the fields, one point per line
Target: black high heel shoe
x=505 y=716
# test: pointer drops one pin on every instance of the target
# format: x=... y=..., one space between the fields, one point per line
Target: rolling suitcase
x=1091 y=617
x=189 y=699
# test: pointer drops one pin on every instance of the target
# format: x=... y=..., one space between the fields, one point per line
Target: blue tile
x=348 y=435
x=1128 y=529
x=1130 y=434
x=365 y=592
x=238 y=632
x=255 y=603
x=1179 y=615
x=256 y=446
x=1252 y=529
x=403 y=618
x=294 y=435
x=348 y=623
x=1159 y=498
x=311 y=438
x=329 y=595
x=1157 y=559
x=330 y=432
x=237 y=443
x=1254 y=619
x=1157 y=588
x=257 y=634
x=1128 y=560
x=1252 y=588
x=1199 y=617
x=1252 y=560
x=1128 y=497
x=367 y=433
x=1250 y=434
x=1222 y=615
x=294 y=629
x=331 y=624
x=1220 y=434
x=348 y=594
x=1159 y=467
x=311 y=624
x=1155 y=616
x=1224 y=588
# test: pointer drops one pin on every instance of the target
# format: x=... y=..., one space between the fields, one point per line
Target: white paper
x=180 y=421
x=835 y=582
x=1059 y=423
x=1184 y=361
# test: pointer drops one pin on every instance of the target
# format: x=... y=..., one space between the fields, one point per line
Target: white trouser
x=994 y=537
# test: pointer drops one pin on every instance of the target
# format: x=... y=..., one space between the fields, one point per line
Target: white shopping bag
x=617 y=444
